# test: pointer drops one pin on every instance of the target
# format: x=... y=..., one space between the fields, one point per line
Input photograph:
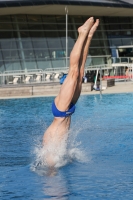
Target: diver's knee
x=74 y=71
x=74 y=58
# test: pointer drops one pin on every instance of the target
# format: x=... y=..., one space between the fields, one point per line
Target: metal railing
x=122 y=69
x=23 y=71
x=114 y=67
x=59 y=69
x=95 y=67
x=7 y=76
x=122 y=60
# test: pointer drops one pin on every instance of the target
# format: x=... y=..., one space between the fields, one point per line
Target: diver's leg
x=83 y=60
x=67 y=90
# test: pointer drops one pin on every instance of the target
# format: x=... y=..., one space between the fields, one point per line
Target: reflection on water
x=98 y=159
x=56 y=187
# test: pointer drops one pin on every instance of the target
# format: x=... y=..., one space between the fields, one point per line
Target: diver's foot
x=86 y=26
x=93 y=29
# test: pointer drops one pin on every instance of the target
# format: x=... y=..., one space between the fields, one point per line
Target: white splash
x=69 y=151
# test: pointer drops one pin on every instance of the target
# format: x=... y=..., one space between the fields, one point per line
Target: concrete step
x=44 y=90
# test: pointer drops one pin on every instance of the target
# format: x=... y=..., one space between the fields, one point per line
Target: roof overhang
x=72 y=10
x=112 y=3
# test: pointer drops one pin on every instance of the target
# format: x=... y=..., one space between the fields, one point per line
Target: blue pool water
x=100 y=150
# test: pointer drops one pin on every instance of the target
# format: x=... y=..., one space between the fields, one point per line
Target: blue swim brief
x=58 y=113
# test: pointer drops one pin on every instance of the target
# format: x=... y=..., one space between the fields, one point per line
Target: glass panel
x=35 y=26
x=8 y=44
x=2 y=67
x=127 y=41
x=20 y=18
x=97 y=43
x=98 y=60
x=116 y=32
x=1 y=56
x=12 y=65
x=14 y=54
x=71 y=34
x=10 y=54
x=60 y=19
x=107 y=27
x=98 y=35
x=44 y=37
x=124 y=19
x=31 y=64
x=125 y=26
x=27 y=44
x=41 y=54
x=29 y=54
x=62 y=27
x=54 y=43
x=22 y=26
x=39 y=43
x=60 y=53
x=71 y=42
x=116 y=42
x=111 y=19
x=114 y=27
x=51 y=34
x=97 y=51
x=48 y=27
x=20 y=52
x=62 y=33
x=7 y=35
x=88 y=61
x=5 y=18
x=6 y=26
x=34 y=18
x=44 y=64
x=24 y=34
x=78 y=19
x=63 y=42
x=126 y=33
x=58 y=63
x=36 y=34
x=48 y=19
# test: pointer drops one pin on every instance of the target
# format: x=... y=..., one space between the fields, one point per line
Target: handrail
x=117 y=62
x=122 y=59
x=103 y=66
x=22 y=71
x=59 y=69
x=121 y=64
x=51 y=70
x=99 y=56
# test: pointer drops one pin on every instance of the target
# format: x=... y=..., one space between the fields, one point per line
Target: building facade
x=33 y=33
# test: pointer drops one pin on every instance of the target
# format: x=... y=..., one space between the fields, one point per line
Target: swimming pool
x=100 y=148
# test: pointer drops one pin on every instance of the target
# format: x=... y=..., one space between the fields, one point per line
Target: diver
x=64 y=104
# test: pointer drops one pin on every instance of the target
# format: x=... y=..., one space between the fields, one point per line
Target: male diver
x=64 y=104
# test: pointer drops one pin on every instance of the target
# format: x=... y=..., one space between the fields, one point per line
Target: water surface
x=100 y=150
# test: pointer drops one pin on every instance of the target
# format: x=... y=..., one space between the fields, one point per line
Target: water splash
x=69 y=151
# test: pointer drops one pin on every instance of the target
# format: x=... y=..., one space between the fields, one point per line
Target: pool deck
x=120 y=87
